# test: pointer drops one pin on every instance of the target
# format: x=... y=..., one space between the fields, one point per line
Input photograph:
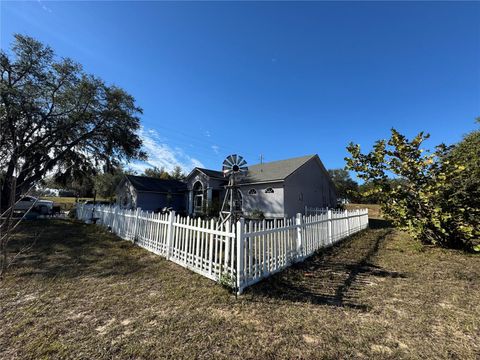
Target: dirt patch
x=102 y=330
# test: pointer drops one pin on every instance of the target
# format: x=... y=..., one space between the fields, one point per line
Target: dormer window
x=252 y=192
x=269 y=191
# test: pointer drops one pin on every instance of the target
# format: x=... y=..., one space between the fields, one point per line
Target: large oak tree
x=57 y=119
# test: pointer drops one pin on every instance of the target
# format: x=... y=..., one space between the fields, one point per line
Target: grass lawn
x=82 y=293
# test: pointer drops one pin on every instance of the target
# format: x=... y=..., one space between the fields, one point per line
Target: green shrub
x=257 y=215
x=435 y=195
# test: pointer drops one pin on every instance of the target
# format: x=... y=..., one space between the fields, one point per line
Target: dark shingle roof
x=275 y=170
x=212 y=173
x=144 y=183
x=266 y=172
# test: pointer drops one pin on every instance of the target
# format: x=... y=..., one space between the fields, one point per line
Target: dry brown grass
x=67 y=203
x=83 y=293
x=374 y=210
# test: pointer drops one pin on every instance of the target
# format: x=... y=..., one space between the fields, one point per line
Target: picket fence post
x=329 y=226
x=240 y=254
x=298 y=223
x=171 y=218
x=114 y=220
x=348 y=222
x=135 y=226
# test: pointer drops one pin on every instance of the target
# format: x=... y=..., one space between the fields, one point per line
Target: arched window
x=269 y=191
x=252 y=192
x=198 y=197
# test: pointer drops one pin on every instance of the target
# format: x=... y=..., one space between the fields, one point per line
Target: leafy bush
x=227 y=280
x=257 y=215
x=435 y=195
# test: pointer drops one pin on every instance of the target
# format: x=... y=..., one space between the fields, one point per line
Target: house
x=151 y=194
x=278 y=189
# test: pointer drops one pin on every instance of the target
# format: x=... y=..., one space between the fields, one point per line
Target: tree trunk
x=6 y=193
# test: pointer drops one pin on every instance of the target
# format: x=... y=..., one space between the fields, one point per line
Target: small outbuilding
x=151 y=194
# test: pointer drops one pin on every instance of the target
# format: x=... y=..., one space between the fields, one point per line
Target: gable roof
x=212 y=173
x=149 y=184
x=275 y=170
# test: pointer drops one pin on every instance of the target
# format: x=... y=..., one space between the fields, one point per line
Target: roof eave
x=261 y=182
x=163 y=192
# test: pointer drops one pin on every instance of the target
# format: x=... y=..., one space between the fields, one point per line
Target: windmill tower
x=234 y=167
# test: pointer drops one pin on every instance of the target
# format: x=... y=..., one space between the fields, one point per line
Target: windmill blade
x=227 y=163
x=234 y=164
x=230 y=159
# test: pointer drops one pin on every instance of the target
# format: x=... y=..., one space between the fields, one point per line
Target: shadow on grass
x=334 y=276
x=379 y=224
x=62 y=248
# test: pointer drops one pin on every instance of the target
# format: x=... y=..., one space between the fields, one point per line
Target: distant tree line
x=103 y=184
x=161 y=173
x=350 y=191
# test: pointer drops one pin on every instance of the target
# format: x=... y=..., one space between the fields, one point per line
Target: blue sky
x=273 y=79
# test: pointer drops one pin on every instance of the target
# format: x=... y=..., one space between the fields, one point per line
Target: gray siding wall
x=154 y=201
x=129 y=198
x=308 y=186
x=272 y=205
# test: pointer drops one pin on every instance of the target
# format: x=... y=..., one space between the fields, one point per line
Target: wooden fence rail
x=240 y=254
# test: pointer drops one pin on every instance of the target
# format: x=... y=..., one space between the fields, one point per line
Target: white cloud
x=160 y=154
x=215 y=148
x=207 y=133
x=44 y=7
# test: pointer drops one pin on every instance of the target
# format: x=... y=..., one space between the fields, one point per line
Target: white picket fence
x=241 y=253
x=315 y=210
x=199 y=245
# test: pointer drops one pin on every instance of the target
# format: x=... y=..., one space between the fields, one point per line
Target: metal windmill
x=234 y=167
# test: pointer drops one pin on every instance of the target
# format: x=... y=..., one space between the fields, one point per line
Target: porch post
x=190 y=202
x=209 y=198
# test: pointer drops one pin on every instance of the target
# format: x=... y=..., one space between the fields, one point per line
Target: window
x=252 y=192
x=198 y=197
x=269 y=191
